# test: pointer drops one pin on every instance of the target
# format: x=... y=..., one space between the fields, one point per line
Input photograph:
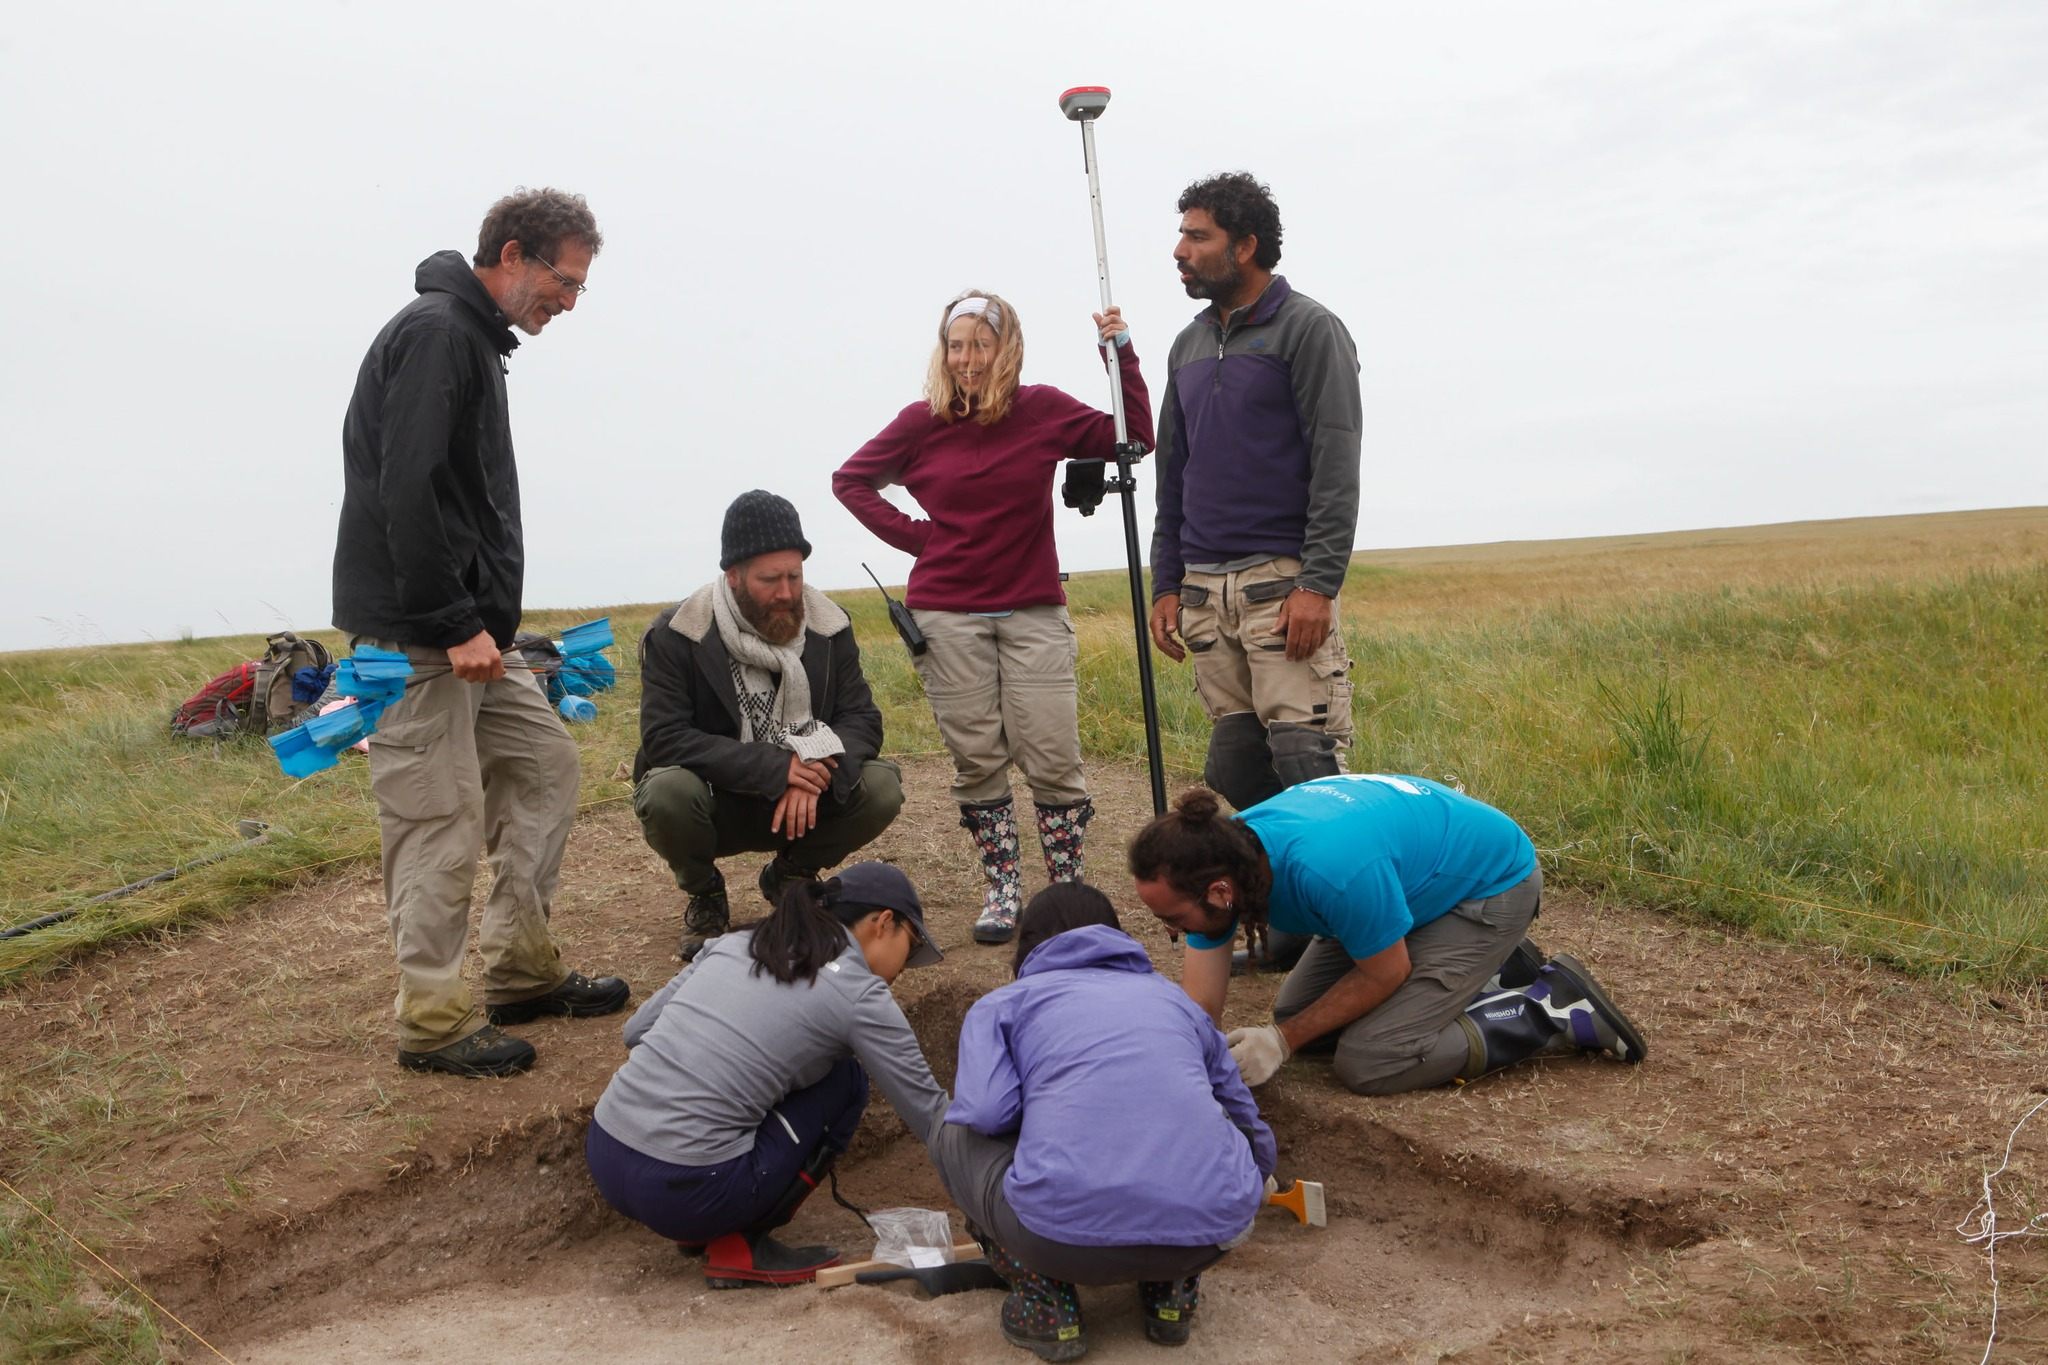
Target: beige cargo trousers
x=457 y=767
x=1241 y=666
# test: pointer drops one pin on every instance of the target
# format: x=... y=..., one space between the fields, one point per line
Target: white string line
x=1984 y=1213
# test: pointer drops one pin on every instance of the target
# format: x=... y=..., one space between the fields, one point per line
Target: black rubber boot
x=578 y=997
x=1519 y=970
x=1040 y=1314
x=1239 y=767
x=1168 y=1307
x=1564 y=1006
x=1302 y=753
x=705 y=917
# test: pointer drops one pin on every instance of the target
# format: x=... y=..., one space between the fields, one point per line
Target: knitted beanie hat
x=759 y=523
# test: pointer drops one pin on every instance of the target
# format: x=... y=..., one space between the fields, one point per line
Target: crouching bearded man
x=757 y=729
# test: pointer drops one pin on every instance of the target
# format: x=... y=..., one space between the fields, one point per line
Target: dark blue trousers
x=694 y=1204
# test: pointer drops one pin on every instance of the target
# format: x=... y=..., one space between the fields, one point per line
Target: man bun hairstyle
x=807 y=929
x=540 y=221
x=1242 y=207
x=1194 y=844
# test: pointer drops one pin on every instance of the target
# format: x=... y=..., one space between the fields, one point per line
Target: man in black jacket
x=757 y=729
x=429 y=559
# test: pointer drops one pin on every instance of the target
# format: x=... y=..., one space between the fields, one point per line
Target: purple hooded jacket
x=1133 y=1126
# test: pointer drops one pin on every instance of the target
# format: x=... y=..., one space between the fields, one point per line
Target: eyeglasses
x=579 y=288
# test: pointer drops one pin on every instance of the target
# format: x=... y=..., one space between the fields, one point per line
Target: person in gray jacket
x=1258 y=502
x=748 y=1073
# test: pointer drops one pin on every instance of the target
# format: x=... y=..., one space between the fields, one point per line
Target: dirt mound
x=1780 y=1180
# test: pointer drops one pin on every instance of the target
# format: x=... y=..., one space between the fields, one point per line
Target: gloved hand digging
x=1258 y=1052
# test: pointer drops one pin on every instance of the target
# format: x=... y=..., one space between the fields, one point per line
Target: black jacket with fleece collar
x=690 y=713
x=430 y=550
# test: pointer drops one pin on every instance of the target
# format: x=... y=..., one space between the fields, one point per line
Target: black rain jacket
x=430 y=551
x=690 y=712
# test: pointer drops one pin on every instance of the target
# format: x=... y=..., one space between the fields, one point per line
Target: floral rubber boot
x=1059 y=834
x=995 y=838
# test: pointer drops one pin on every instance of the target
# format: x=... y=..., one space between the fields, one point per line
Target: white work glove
x=1258 y=1052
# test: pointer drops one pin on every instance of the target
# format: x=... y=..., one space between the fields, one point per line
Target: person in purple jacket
x=1085 y=1155
x=978 y=453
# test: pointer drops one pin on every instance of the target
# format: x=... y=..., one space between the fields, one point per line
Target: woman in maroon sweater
x=978 y=452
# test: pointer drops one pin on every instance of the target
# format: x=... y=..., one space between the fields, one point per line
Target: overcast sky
x=1611 y=267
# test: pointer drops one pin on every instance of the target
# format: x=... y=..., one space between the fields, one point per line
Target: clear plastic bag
x=913 y=1237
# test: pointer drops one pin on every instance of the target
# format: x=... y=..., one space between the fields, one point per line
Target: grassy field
x=1832 y=731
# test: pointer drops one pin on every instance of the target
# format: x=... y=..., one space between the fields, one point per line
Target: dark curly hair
x=1242 y=207
x=539 y=220
x=1193 y=844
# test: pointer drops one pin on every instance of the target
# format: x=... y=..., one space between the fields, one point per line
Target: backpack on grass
x=216 y=710
x=255 y=697
x=273 y=707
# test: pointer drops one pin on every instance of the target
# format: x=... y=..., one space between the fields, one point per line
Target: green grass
x=1841 y=759
x=50 y=1309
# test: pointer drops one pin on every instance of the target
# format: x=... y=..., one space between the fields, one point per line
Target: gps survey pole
x=1085 y=485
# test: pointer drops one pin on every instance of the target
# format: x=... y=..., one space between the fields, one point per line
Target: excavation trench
x=508 y=1254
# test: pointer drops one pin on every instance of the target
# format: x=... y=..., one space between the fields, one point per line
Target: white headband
x=991 y=313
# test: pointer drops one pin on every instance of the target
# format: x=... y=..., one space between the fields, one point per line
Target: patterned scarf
x=774 y=692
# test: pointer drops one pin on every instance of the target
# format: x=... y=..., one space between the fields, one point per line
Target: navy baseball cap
x=883 y=886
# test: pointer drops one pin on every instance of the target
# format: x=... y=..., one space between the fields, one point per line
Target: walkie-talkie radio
x=900 y=617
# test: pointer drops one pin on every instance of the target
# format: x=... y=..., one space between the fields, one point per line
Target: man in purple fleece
x=1173 y=1168
x=1259 y=433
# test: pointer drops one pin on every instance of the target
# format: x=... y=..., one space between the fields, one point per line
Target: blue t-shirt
x=1367 y=857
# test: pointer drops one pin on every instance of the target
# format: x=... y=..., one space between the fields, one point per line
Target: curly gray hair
x=539 y=220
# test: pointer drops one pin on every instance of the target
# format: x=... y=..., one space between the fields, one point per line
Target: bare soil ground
x=220 y=1112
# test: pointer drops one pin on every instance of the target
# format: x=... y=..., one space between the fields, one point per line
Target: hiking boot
x=1593 y=1022
x=486 y=1052
x=736 y=1260
x=995 y=839
x=578 y=997
x=776 y=875
x=1041 y=1314
x=1521 y=969
x=705 y=917
x=1168 y=1307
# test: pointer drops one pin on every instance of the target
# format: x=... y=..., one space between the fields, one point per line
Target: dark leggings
x=695 y=1204
x=973 y=1166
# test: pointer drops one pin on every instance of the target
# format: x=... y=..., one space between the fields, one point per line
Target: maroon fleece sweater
x=987 y=491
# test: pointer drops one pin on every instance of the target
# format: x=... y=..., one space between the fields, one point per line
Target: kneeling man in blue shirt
x=1418 y=898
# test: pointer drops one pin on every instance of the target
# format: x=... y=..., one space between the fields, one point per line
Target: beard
x=776 y=625
x=520 y=306
x=1220 y=285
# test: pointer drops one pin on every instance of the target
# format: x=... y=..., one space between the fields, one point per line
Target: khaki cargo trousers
x=1242 y=666
x=456 y=767
x=1002 y=690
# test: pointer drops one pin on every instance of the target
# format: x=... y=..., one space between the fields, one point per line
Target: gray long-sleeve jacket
x=1259 y=442
x=718 y=1047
